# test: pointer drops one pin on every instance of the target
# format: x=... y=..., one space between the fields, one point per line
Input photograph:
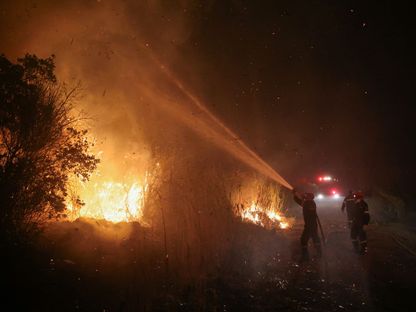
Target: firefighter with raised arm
x=360 y=217
x=348 y=205
x=310 y=230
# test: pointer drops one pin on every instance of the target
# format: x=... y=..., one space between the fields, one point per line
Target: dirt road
x=382 y=280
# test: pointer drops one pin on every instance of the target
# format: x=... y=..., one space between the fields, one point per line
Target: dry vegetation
x=190 y=237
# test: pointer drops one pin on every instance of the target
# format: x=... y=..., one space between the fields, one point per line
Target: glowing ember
x=284 y=225
x=111 y=201
x=264 y=217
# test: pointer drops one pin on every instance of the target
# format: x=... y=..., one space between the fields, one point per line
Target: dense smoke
x=122 y=53
x=100 y=44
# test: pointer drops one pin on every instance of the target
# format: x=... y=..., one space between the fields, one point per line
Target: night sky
x=317 y=85
x=313 y=86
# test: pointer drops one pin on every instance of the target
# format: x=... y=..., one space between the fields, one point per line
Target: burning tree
x=41 y=144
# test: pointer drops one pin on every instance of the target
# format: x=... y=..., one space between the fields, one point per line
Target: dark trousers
x=349 y=216
x=358 y=236
x=308 y=233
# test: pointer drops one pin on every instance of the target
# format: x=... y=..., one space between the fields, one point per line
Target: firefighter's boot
x=363 y=247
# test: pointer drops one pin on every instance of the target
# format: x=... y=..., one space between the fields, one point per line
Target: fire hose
x=321 y=230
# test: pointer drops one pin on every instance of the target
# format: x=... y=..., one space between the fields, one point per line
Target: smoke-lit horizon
x=302 y=103
x=121 y=72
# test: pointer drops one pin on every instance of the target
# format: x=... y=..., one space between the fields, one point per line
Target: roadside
x=384 y=277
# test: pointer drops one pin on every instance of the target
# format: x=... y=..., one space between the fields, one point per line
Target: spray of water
x=202 y=121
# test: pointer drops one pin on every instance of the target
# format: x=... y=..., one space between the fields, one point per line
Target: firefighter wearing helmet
x=310 y=229
x=360 y=217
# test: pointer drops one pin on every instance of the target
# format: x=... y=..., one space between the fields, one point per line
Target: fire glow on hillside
x=110 y=200
x=116 y=197
x=267 y=218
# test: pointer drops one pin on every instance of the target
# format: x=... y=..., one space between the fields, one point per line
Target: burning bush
x=108 y=200
x=41 y=144
x=196 y=205
x=260 y=202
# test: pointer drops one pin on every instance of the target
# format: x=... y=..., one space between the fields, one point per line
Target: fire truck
x=327 y=187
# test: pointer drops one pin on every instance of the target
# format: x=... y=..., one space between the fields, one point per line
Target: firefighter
x=310 y=229
x=360 y=217
x=348 y=205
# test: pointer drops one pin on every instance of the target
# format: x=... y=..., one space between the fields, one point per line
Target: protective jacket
x=310 y=231
x=360 y=217
x=360 y=214
x=309 y=211
x=348 y=203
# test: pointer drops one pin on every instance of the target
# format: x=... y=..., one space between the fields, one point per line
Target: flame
x=284 y=225
x=264 y=217
x=110 y=200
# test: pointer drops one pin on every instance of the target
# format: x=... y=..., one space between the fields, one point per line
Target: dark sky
x=322 y=86
x=312 y=86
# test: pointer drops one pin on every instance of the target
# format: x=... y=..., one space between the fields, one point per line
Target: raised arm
x=297 y=198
